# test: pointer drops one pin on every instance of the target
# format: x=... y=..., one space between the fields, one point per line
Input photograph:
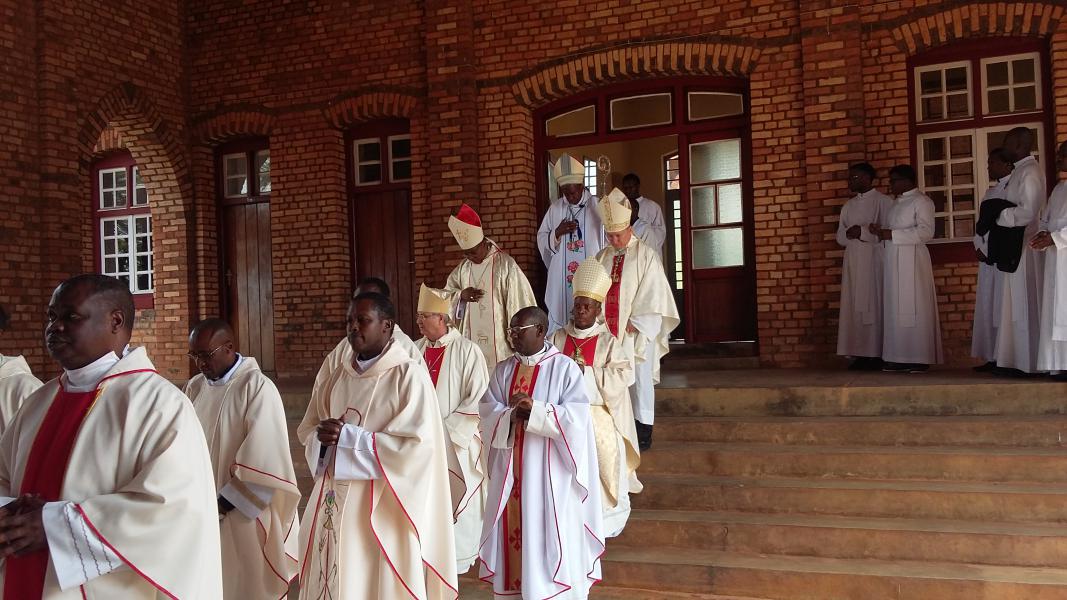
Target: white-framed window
x=113 y=188
x=590 y=175
x=644 y=110
x=123 y=223
x=245 y=169
x=1011 y=84
x=367 y=156
x=943 y=92
x=672 y=176
x=399 y=158
x=262 y=169
x=235 y=173
x=140 y=192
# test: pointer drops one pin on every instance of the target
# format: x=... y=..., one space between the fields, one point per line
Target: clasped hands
x=881 y=234
x=565 y=228
x=471 y=294
x=22 y=526
x=1042 y=240
x=522 y=404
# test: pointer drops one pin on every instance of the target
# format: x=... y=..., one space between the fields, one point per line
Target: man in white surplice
x=457 y=368
x=16 y=380
x=1020 y=317
x=911 y=341
x=115 y=493
x=543 y=533
x=570 y=232
x=987 y=294
x=248 y=440
x=378 y=286
x=1052 y=242
x=647 y=217
x=859 y=325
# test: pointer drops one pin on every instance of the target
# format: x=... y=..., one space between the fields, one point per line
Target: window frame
x=114 y=162
x=383 y=131
x=248 y=147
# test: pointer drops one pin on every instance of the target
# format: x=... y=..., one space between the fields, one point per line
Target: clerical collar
x=910 y=192
x=228 y=375
x=441 y=341
x=88 y=377
x=532 y=360
x=362 y=366
x=583 y=333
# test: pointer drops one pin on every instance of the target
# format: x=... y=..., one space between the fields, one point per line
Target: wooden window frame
x=249 y=147
x=113 y=162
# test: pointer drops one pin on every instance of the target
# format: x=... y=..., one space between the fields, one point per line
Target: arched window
x=122 y=220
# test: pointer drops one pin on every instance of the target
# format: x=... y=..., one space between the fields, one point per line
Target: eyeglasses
x=204 y=356
x=517 y=330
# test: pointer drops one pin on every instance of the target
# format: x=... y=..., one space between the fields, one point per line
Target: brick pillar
x=831 y=50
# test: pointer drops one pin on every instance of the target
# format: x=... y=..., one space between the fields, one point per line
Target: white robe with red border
x=16 y=383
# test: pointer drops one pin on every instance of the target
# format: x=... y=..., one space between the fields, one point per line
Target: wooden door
x=381 y=230
x=248 y=279
x=717 y=237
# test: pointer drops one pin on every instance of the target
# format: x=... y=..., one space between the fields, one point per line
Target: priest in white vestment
x=543 y=521
x=378 y=285
x=457 y=369
x=1051 y=241
x=639 y=308
x=243 y=418
x=1018 y=331
x=570 y=232
x=987 y=293
x=379 y=520
x=647 y=219
x=859 y=324
x=911 y=341
x=16 y=380
x=104 y=475
x=486 y=288
x=608 y=375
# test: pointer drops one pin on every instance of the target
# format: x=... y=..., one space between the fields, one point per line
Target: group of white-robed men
x=115 y=484
x=888 y=310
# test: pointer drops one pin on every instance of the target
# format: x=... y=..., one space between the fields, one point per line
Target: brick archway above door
x=930 y=29
x=352 y=109
x=570 y=75
x=225 y=126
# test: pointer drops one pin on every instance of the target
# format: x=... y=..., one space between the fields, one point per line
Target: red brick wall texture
x=171 y=81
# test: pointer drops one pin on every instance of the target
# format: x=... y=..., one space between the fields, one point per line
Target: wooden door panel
x=382 y=233
x=249 y=281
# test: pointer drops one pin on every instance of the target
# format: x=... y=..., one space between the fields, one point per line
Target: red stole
x=611 y=301
x=46 y=468
x=434 y=357
x=581 y=350
x=523 y=380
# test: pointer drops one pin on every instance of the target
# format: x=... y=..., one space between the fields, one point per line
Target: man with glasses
x=543 y=527
x=243 y=418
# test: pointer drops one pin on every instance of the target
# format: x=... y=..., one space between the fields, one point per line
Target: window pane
x=140 y=197
x=730 y=203
x=930 y=82
x=962 y=174
x=109 y=246
x=963 y=227
x=575 y=122
x=934 y=175
x=714 y=161
x=108 y=200
x=236 y=186
x=998 y=101
x=124 y=264
x=120 y=178
x=640 y=111
x=1022 y=70
x=401 y=170
x=122 y=227
x=934 y=149
x=234 y=164
x=711 y=105
x=932 y=108
x=264 y=183
x=263 y=170
x=370 y=174
x=123 y=245
x=109 y=228
x=960 y=146
x=996 y=74
x=107 y=179
x=718 y=248
x=120 y=198
x=142 y=244
x=939 y=227
x=703 y=206
x=144 y=282
x=957 y=106
x=963 y=201
x=142 y=263
x=1025 y=98
x=109 y=266
x=369 y=151
x=141 y=224
x=400 y=148
x=939 y=200
x=956 y=79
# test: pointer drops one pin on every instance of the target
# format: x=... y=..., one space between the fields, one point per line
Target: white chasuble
x=138 y=496
x=1052 y=349
x=859 y=325
x=912 y=328
x=244 y=423
x=460 y=377
x=1018 y=330
x=543 y=526
x=608 y=375
x=507 y=290
x=16 y=384
x=987 y=292
x=563 y=255
x=378 y=524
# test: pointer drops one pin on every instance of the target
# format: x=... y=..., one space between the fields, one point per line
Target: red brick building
x=255 y=158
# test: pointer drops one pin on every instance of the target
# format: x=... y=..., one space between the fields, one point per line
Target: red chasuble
x=45 y=471
x=434 y=357
x=611 y=301
x=582 y=350
x=522 y=381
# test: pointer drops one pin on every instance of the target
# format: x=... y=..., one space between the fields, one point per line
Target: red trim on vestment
x=611 y=301
x=119 y=554
x=283 y=480
x=263 y=551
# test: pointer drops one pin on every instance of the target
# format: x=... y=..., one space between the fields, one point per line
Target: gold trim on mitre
x=591 y=280
x=568 y=170
x=433 y=301
x=466 y=227
x=615 y=211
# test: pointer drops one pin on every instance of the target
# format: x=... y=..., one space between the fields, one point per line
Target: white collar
x=362 y=366
x=441 y=341
x=88 y=377
x=228 y=375
x=1029 y=157
x=532 y=360
x=584 y=333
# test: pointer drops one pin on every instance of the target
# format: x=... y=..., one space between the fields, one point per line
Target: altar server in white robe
x=377 y=285
x=570 y=232
x=379 y=520
x=859 y=324
x=912 y=331
x=639 y=308
x=1020 y=312
x=16 y=380
x=243 y=418
x=543 y=530
x=987 y=295
x=608 y=375
x=647 y=219
x=457 y=369
x=104 y=475
x=485 y=288
x=1051 y=241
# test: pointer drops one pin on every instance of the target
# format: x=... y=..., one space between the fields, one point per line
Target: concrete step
x=927 y=463
x=997 y=502
x=812 y=578
x=1044 y=431
x=673 y=363
x=476 y=590
x=1015 y=544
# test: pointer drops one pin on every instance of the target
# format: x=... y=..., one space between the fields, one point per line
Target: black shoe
x=644 y=436
x=892 y=367
x=986 y=368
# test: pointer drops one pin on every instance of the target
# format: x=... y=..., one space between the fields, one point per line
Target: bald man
x=129 y=510
x=243 y=418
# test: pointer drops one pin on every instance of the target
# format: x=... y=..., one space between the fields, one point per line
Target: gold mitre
x=615 y=211
x=433 y=301
x=568 y=170
x=591 y=280
x=466 y=227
